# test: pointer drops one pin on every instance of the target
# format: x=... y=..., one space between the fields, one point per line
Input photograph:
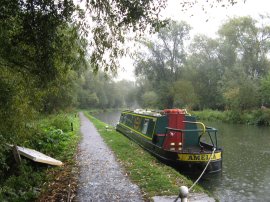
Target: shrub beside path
x=101 y=178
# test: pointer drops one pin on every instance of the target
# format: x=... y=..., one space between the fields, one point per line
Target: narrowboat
x=175 y=136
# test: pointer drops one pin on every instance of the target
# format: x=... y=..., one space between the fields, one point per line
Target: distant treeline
x=229 y=72
x=100 y=91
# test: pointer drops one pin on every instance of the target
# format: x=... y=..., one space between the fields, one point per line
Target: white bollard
x=183 y=194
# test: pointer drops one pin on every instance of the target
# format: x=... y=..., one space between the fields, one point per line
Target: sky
x=202 y=22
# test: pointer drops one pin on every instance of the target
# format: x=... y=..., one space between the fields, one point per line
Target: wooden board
x=38 y=156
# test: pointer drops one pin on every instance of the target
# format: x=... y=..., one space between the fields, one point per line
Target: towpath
x=101 y=178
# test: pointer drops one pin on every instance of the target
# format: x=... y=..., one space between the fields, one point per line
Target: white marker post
x=183 y=194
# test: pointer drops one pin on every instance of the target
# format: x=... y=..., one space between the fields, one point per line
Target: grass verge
x=153 y=178
x=62 y=181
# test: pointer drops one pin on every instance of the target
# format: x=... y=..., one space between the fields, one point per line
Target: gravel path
x=101 y=178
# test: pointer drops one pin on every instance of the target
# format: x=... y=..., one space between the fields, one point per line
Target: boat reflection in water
x=174 y=136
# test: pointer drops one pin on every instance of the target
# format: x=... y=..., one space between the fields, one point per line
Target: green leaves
x=246 y=40
x=54 y=137
x=265 y=89
x=220 y=73
x=150 y=99
x=164 y=60
x=110 y=22
x=184 y=94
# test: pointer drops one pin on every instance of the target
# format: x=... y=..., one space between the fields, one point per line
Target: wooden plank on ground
x=37 y=156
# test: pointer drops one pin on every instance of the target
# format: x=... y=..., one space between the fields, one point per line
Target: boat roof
x=155 y=113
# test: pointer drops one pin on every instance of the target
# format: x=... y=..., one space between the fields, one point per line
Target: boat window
x=145 y=126
x=123 y=118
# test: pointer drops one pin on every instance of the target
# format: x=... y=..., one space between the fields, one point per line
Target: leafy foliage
x=165 y=60
x=259 y=117
x=41 y=52
x=54 y=137
x=150 y=99
x=265 y=89
x=184 y=94
x=111 y=21
x=228 y=72
x=247 y=42
x=43 y=49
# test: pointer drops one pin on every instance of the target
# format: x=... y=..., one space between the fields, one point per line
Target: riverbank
x=260 y=117
x=153 y=178
x=30 y=181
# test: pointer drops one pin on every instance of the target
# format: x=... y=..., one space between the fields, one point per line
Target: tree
x=112 y=20
x=243 y=51
x=239 y=90
x=150 y=99
x=31 y=33
x=265 y=90
x=96 y=90
x=40 y=52
x=184 y=94
x=166 y=54
x=127 y=91
x=163 y=63
x=204 y=70
x=249 y=44
x=88 y=100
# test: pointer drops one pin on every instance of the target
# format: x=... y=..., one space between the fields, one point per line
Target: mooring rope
x=214 y=149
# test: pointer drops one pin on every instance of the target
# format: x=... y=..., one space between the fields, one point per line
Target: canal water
x=246 y=161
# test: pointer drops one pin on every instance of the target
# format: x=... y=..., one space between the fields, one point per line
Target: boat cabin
x=172 y=134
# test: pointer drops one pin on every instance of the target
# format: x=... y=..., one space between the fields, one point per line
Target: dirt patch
x=64 y=185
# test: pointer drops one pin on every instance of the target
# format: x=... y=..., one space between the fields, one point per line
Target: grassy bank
x=153 y=177
x=252 y=117
x=31 y=181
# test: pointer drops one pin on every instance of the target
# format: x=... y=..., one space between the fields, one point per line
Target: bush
x=209 y=115
x=62 y=122
x=262 y=117
x=51 y=136
x=233 y=117
x=4 y=153
x=259 y=117
x=22 y=187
